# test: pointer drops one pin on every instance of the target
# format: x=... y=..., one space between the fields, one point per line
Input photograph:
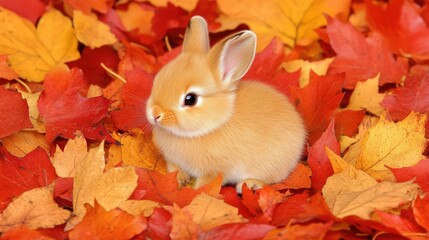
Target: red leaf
x=32 y=11
x=301 y=208
x=64 y=110
x=250 y=200
x=6 y=71
x=400 y=224
x=414 y=96
x=403 y=29
x=421 y=210
x=86 y=6
x=361 y=58
x=22 y=232
x=310 y=231
x=164 y=188
x=14 y=112
x=114 y=224
x=63 y=189
x=134 y=95
x=267 y=68
x=237 y=231
x=159 y=224
x=90 y=64
x=18 y=175
x=347 y=122
x=230 y=197
x=318 y=160
x=318 y=101
x=420 y=172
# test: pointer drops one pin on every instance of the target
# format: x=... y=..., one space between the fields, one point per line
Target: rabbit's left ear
x=196 y=36
x=232 y=57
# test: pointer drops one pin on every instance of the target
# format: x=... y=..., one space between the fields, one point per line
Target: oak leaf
x=113 y=224
x=293 y=22
x=64 y=110
x=36 y=209
x=392 y=144
x=12 y=104
x=34 y=52
x=90 y=31
x=366 y=96
x=361 y=58
x=65 y=162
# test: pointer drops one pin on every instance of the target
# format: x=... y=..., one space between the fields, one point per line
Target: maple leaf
x=139 y=207
x=293 y=22
x=361 y=58
x=183 y=227
x=413 y=96
x=90 y=31
x=65 y=162
x=237 y=231
x=110 y=189
x=310 y=231
x=22 y=174
x=298 y=179
x=23 y=142
x=347 y=122
x=318 y=67
x=32 y=53
x=35 y=208
x=266 y=67
x=113 y=224
x=33 y=10
x=137 y=17
x=186 y=5
x=137 y=149
x=401 y=224
x=23 y=232
x=403 y=29
x=393 y=144
x=366 y=96
x=419 y=172
x=32 y=99
x=159 y=224
x=64 y=110
x=86 y=6
x=420 y=210
x=318 y=161
x=317 y=102
x=12 y=104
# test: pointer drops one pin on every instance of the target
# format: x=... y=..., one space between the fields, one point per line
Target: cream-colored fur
x=246 y=130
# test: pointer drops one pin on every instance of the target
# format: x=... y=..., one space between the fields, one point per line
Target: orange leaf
x=114 y=224
x=312 y=231
x=23 y=232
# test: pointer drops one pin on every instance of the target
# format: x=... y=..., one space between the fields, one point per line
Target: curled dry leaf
x=36 y=209
x=34 y=52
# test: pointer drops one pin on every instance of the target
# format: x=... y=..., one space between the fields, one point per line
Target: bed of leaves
x=76 y=157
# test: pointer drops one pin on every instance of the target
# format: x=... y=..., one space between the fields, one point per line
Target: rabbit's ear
x=232 y=57
x=196 y=36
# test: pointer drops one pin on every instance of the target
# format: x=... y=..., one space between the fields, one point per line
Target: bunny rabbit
x=206 y=121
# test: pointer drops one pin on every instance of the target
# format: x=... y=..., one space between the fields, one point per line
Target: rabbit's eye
x=191 y=99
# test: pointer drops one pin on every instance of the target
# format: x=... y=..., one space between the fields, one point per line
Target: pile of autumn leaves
x=76 y=158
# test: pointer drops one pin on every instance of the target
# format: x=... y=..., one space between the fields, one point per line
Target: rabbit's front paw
x=251 y=184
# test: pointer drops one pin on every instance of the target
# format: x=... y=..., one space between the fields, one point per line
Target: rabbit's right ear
x=196 y=36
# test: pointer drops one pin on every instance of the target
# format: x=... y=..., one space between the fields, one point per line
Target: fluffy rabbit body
x=206 y=121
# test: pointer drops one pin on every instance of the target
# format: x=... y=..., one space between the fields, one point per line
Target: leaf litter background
x=76 y=158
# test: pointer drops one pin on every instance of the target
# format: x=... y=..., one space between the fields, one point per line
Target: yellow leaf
x=110 y=189
x=137 y=17
x=137 y=149
x=183 y=227
x=187 y=5
x=392 y=144
x=36 y=209
x=23 y=142
x=32 y=53
x=338 y=164
x=65 y=162
x=319 y=67
x=92 y=32
x=346 y=142
x=366 y=96
x=350 y=195
x=293 y=21
x=32 y=99
x=138 y=207
x=209 y=212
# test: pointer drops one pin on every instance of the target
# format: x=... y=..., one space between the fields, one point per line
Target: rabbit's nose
x=157 y=113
